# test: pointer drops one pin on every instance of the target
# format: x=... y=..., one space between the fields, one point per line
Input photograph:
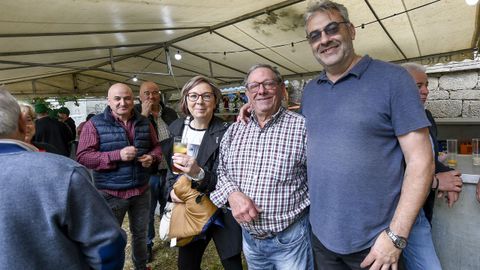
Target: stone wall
x=454 y=90
x=454 y=94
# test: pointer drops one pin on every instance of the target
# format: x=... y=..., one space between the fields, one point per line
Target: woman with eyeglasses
x=204 y=132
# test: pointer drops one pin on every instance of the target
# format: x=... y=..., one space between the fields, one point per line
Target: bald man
x=120 y=145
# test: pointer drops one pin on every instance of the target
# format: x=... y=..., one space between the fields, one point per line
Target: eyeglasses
x=192 y=97
x=153 y=93
x=253 y=87
x=329 y=30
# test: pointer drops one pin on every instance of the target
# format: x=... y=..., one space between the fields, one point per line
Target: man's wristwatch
x=398 y=241
x=199 y=176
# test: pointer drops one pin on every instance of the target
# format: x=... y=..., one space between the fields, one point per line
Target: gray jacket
x=52 y=216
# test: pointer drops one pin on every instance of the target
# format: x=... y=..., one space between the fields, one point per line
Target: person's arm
x=90 y=223
x=448 y=181
x=155 y=155
x=416 y=186
x=225 y=185
x=478 y=191
x=226 y=190
x=88 y=153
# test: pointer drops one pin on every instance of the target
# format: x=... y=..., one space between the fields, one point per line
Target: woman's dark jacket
x=228 y=239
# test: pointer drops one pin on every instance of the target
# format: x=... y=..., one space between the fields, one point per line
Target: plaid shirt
x=163 y=134
x=269 y=166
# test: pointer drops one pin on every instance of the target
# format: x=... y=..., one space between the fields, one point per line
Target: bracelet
x=198 y=177
x=438 y=182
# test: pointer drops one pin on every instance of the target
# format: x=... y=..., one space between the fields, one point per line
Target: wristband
x=438 y=182
x=198 y=177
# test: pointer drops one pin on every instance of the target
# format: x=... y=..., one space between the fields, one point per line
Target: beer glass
x=452 y=152
x=179 y=146
x=476 y=151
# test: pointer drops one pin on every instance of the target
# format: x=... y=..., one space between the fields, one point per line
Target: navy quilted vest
x=113 y=136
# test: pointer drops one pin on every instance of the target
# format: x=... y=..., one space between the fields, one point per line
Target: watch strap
x=199 y=176
x=398 y=241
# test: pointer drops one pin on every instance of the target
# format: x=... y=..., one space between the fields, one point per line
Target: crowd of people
x=285 y=189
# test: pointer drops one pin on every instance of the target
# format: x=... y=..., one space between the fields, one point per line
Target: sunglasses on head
x=331 y=29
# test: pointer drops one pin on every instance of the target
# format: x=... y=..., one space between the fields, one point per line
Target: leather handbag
x=192 y=217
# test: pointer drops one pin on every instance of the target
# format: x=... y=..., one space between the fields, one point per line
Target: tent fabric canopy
x=80 y=47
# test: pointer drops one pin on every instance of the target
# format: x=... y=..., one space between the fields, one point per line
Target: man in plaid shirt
x=262 y=176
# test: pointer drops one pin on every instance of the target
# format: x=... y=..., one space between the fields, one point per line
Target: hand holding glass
x=179 y=146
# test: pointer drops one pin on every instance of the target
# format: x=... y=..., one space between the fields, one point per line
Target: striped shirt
x=269 y=166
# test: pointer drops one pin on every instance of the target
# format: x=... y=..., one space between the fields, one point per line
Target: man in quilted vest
x=120 y=145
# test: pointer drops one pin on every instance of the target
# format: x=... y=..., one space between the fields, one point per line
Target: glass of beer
x=179 y=146
x=476 y=151
x=452 y=152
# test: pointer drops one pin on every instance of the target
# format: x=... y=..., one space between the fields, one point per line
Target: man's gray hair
x=278 y=77
x=9 y=113
x=412 y=66
x=325 y=6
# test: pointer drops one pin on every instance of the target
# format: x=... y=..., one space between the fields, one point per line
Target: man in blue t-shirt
x=369 y=158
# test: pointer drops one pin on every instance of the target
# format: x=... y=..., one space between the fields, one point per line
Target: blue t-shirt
x=354 y=160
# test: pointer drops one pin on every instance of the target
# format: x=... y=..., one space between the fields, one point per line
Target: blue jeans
x=158 y=189
x=420 y=252
x=288 y=250
x=137 y=208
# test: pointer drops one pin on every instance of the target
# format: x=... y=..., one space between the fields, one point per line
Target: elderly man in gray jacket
x=52 y=216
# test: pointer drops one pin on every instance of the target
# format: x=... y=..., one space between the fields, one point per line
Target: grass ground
x=165 y=257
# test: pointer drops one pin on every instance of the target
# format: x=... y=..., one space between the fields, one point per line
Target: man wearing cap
x=51 y=131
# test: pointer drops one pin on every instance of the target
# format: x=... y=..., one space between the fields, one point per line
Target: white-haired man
x=54 y=218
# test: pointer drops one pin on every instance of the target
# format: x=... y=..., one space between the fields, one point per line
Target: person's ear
x=352 y=31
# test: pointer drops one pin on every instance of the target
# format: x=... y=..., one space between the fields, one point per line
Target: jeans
x=420 y=252
x=138 y=208
x=158 y=189
x=288 y=250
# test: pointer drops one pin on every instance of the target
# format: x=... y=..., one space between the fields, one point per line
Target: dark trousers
x=137 y=208
x=158 y=188
x=329 y=260
x=228 y=241
x=190 y=256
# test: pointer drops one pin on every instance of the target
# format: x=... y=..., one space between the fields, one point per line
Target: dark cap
x=41 y=108
x=64 y=110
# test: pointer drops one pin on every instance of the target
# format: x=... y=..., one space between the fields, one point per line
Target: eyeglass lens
x=331 y=29
x=205 y=96
x=254 y=86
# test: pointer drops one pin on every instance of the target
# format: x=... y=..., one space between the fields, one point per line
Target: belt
x=268 y=235
x=264 y=236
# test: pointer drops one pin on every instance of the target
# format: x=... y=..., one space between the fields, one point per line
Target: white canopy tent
x=80 y=47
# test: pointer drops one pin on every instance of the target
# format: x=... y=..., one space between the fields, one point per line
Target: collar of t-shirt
x=356 y=70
